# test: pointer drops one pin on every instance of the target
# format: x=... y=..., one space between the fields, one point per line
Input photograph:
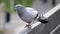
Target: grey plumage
x=28 y=14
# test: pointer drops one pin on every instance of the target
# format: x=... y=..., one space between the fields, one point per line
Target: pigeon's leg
x=28 y=25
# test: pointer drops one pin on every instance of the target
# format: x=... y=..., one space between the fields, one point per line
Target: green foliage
x=18 y=2
x=7 y=2
x=1 y=32
x=1 y=1
x=27 y=3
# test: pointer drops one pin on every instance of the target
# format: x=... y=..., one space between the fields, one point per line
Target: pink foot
x=29 y=26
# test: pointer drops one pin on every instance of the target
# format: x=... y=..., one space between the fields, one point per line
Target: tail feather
x=43 y=21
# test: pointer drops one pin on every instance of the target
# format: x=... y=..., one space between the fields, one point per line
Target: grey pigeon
x=28 y=14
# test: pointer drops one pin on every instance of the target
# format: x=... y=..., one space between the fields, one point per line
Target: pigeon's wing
x=29 y=15
x=32 y=12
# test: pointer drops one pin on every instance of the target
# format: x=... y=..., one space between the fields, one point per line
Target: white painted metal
x=26 y=30
x=52 y=11
x=54 y=29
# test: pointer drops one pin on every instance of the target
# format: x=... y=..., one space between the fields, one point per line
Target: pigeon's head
x=19 y=7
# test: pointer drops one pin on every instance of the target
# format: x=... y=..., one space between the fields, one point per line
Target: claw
x=28 y=25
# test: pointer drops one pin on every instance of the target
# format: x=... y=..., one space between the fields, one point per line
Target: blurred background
x=9 y=20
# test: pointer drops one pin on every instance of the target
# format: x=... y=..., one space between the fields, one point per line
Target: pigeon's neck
x=21 y=10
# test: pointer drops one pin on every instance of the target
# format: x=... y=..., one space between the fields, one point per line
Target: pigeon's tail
x=42 y=20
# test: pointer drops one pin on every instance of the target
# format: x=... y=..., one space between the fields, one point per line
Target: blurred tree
x=27 y=3
x=7 y=2
x=23 y=2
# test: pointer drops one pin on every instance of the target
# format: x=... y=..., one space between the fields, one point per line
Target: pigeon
x=28 y=14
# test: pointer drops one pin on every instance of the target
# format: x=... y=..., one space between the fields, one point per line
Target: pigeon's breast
x=29 y=15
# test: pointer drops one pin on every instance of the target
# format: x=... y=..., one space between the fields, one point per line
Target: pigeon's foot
x=28 y=25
